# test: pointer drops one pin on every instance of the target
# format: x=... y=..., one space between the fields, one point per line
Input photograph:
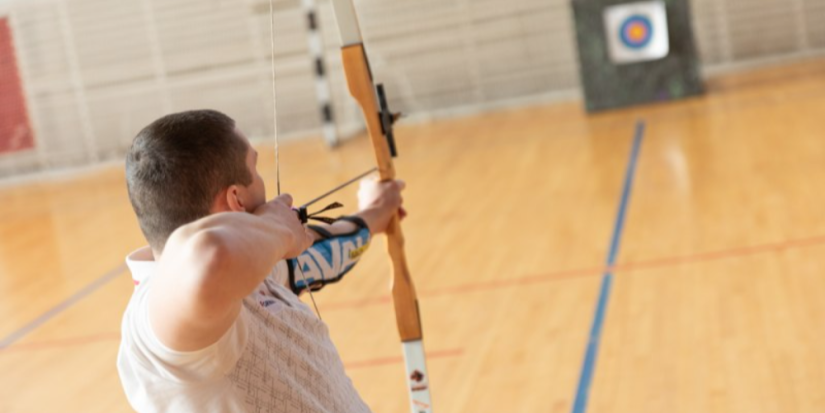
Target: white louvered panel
x=328 y=26
x=556 y=32
x=295 y=65
x=8 y=166
x=548 y=20
x=295 y=86
x=510 y=86
x=395 y=20
x=439 y=69
x=298 y=109
x=504 y=45
x=760 y=28
x=183 y=10
x=431 y=54
x=443 y=96
x=289 y=34
x=297 y=106
x=413 y=50
x=42 y=47
x=491 y=9
x=504 y=56
x=237 y=96
x=709 y=34
x=515 y=52
x=378 y=13
x=403 y=97
x=445 y=99
x=814 y=20
x=61 y=131
x=517 y=48
x=197 y=36
x=111 y=41
x=20 y=163
x=558 y=61
x=120 y=114
x=507 y=58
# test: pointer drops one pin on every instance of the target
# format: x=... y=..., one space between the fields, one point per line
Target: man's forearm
x=371 y=217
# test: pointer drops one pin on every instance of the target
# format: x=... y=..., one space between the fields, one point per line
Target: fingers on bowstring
x=285 y=199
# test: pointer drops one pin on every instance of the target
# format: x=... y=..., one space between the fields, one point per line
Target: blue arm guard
x=329 y=258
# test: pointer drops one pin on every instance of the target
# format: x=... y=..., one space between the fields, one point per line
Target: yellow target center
x=637 y=32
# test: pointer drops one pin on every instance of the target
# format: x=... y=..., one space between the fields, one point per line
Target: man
x=215 y=323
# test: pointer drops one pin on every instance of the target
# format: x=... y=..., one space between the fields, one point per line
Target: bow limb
x=361 y=87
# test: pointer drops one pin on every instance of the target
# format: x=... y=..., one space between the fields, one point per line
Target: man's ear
x=233 y=199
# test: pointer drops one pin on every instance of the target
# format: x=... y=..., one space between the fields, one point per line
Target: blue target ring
x=636 y=31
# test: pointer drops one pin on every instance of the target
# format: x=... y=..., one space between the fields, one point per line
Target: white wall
x=96 y=71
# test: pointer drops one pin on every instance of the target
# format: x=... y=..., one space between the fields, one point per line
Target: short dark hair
x=177 y=165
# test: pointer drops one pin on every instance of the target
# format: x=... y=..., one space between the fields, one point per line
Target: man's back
x=277 y=357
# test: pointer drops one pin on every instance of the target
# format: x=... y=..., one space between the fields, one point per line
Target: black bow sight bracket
x=304 y=216
x=387 y=119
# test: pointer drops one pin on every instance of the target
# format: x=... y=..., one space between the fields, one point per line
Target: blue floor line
x=589 y=364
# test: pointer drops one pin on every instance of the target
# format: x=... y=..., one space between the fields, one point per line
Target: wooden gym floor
x=718 y=294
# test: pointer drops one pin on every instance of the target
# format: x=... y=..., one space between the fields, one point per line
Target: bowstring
x=306 y=287
x=277 y=147
x=274 y=96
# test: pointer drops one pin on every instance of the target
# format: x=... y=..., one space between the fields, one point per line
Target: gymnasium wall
x=95 y=71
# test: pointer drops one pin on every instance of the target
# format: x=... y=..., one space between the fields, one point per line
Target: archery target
x=636 y=32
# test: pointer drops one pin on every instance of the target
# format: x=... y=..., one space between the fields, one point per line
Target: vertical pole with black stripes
x=322 y=89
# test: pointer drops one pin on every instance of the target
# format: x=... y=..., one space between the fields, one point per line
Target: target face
x=636 y=32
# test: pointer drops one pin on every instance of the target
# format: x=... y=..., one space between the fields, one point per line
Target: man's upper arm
x=188 y=308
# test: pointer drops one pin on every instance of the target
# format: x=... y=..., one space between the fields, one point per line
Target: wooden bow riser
x=362 y=89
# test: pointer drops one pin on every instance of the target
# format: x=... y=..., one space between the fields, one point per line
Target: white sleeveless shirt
x=276 y=357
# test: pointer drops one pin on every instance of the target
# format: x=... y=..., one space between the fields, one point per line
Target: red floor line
x=467 y=288
x=111 y=336
x=520 y=281
x=725 y=254
x=61 y=343
x=489 y=285
x=592 y=271
x=62 y=306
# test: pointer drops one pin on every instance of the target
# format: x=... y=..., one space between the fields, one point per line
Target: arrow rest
x=304 y=216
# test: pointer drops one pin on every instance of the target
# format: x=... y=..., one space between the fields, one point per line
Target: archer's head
x=185 y=166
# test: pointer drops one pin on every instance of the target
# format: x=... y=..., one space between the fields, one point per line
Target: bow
x=379 y=121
